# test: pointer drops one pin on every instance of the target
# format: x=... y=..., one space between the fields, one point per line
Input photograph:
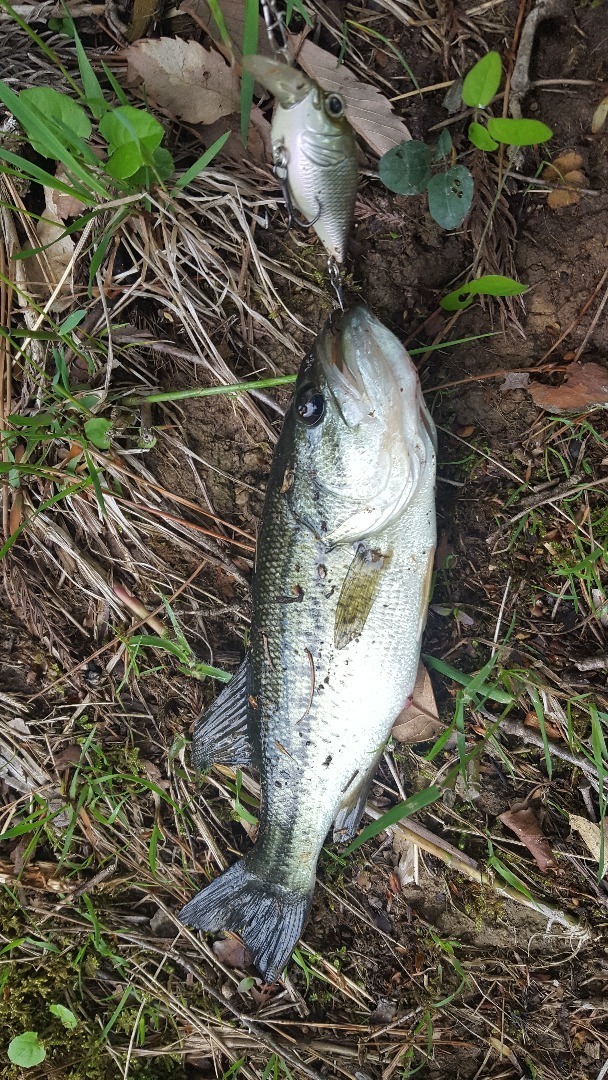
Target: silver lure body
x=340 y=597
x=314 y=151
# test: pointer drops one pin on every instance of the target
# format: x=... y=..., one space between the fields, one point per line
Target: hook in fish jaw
x=276 y=29
x=335 y=277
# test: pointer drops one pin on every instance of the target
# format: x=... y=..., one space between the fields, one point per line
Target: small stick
x=561 y=492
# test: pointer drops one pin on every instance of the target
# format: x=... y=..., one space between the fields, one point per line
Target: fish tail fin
x=268 y=915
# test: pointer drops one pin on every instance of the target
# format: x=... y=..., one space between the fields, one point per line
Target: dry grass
x=440 y=948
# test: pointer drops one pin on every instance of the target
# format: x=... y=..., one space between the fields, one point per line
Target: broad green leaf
x=489 y=285
x=518 y=132
x=450 y=196
x=72 y=321
x=55 y=107
x=482 y=81
x=480 y=137
x=444 y=146
x=201 y=162
x=97 y=431
x=26 y=1050
x=129 y=125
x=65 y=1015
x=125 y=161
x=250 y=45
x=402 y=810
x=406 y=168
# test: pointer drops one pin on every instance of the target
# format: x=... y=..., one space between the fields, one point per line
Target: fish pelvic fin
x=268 y=916
x=221 y=735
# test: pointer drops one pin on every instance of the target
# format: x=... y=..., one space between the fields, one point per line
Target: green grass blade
x=21 y=166
x=201 y=162
x=42 y=45
x=402 y=810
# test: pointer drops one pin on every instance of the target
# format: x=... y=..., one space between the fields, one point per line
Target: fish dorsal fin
x=221 y=735
x=358 y=592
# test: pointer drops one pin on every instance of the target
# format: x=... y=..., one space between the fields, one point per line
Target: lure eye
x=310 y=407
x=334 y=106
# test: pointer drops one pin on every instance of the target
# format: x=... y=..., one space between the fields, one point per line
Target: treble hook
x=279 y=171
x=335 y=278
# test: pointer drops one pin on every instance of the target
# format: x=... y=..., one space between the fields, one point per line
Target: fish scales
x=340 y=595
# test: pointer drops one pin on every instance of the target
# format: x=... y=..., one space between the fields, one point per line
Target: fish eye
x=334 y=106
x=310 y=407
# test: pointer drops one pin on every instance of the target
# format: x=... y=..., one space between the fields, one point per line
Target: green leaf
x=480 y=137
x=92 y=88
x=126 y=124
x=402 y=810
x=518 y=132
x=201 y=162
x=299 y=7
x=450 y=196
x=97 y=431
x=489 y=285
x=482 y=81
x=23 y=166
x=72 y=321
x=65 y=1015
x=444 y=146
x=55 y=107
x=26 y=1050
x=406 y=168
x=125 y=161
x=250 y=45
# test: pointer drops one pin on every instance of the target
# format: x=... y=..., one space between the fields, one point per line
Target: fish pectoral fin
x=348 y=817
x=221 y=734
x=323 y=149
x=357 y=594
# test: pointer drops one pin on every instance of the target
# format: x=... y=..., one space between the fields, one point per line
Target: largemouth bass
x=314 y=150
x=340 y=596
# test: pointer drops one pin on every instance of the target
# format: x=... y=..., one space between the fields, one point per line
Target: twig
x=594 y=323
x=536 y=180
x=562 y=492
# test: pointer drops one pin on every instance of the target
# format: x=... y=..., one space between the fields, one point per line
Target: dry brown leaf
x=515 y=380
x=600 y=115
x=524 y=824
x=590 y=834
x=565 y=171
x=259 y=144
x=419 y=721
x=45 y=271
x=60 y=206
x=585 y=385
x=231 y=952
x=192 y=83
x=369 y=111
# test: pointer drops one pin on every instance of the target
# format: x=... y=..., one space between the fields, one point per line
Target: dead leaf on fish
x=585 y=386
x=591 y=836
x=419 y=721
x=368 y=110
x=525 y=826
x=192 y=83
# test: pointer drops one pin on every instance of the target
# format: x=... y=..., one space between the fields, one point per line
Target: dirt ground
x=400 y=973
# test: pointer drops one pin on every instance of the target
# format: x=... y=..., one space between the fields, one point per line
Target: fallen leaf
x=259 y=143
x=231 y=952
x=524 y=824
x=192 y=83
x=419 y=721
x=45 y=271
x=515 y=380
x=599 y=116
x=585 y=386
x=551 y=731
x=60 y=206
x=590 y=834
x=368 y=110
x=465 y=432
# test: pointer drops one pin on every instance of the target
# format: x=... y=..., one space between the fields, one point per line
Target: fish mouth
x=288 y=85
x=366 y=374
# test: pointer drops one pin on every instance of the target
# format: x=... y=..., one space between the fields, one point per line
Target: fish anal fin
x=357 y=594
x=221 y=734
x=350 y=814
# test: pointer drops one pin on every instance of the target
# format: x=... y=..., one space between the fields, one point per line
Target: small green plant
x=413 y=167
x=26 y=1050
